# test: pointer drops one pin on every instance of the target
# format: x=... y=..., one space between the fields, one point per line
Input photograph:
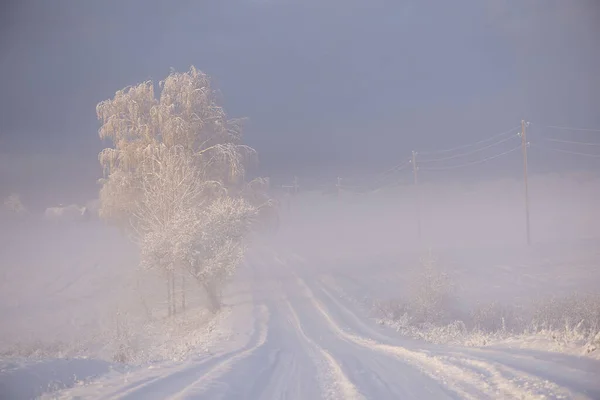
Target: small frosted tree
x=14 y=205
x=173 y=179
x=211 y=244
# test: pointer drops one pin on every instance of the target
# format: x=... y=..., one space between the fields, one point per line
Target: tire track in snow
x=556 y=391
x=498 y=375
x=502 y=384
x=202 y=384
x=283 y=368
x=462 y=382
x=527 y=362
x=498 y=372
x=340 y=386
x=274 y=380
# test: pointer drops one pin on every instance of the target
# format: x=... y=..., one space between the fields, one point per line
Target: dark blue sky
x=325 y=83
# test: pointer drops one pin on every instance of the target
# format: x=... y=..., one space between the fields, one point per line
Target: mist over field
x=284 y=199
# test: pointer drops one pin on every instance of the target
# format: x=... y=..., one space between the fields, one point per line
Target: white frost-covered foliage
x=217 y=246
x=14 y=205
x=205 y=242
x=267 y=208
x=430 y=313
x=567 y=324
x=433 y=295
x=173 y=180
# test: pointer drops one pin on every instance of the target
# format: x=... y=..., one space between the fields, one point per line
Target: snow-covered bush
x=433 y=298
x=494 y=316
x=581 y=311
x=593 y=344
x=572 y=321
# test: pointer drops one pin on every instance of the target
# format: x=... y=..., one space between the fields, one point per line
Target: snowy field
x=71 y=297
x=305 y=316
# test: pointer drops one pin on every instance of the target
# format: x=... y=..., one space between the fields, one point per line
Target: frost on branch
x=267 y=208
x=186 y=115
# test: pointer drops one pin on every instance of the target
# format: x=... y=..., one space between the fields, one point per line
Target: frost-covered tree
x=174 y=179
x=14 y=205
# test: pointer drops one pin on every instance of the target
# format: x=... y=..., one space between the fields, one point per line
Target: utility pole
x=524 y=145
x=338 y=185
x=293 y=188
x=417 y=192
x=289 y=189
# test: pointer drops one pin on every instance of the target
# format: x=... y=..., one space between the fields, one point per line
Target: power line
x=572 y=142
x=464 y=146
x=486 y=145
x=568 y=128
x=577 y=153
x=474 y=162
x=396 y=168
x=468 y=153
x=396 y=182
x=400 y=167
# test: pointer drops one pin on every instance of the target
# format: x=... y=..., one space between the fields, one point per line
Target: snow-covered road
x=304 y=342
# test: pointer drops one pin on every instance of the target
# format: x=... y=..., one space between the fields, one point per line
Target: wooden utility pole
x=338 y=185
x=524 y=148
x=293 y=188
x=417 y=193
x=289 y=189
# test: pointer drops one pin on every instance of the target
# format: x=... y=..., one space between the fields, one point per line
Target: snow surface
x=293 y=323
x=305 y=342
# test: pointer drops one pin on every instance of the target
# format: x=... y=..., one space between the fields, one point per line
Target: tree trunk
x=183 y=292
x=173 y=300
x=213 y=297
x=143 y=301
x=118 y=320
x=169 y=292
